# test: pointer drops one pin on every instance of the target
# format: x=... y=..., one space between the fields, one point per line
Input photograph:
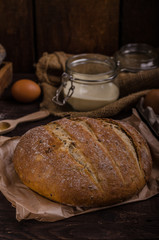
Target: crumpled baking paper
x=30 y=205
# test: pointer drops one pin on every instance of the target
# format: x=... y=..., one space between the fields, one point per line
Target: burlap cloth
x=132 y=87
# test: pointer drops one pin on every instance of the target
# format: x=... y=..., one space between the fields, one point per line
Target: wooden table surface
x=138 y=220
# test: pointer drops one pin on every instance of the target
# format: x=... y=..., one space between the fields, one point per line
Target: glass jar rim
x=91 y=59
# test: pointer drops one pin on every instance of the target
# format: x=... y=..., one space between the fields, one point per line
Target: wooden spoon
x=8 y=125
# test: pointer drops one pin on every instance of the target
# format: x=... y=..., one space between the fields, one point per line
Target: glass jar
x=88 y=82
x=134 y=57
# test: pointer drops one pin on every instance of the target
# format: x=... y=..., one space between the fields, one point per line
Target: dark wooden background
x=30 y=27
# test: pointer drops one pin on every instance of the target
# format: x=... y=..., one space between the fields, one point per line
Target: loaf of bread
x=84 y=162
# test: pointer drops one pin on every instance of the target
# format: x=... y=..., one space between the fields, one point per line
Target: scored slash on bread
x=83 y=161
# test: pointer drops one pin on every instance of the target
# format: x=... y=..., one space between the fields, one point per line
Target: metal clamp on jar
x=88 y=82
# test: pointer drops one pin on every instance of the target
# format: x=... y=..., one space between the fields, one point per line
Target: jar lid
x=91 y=67
x=134 y=57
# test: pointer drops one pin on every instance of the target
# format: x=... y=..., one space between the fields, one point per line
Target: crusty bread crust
x=84 y=161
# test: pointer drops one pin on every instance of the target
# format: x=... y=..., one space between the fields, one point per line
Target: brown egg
x=152 y=99
x=25 y=90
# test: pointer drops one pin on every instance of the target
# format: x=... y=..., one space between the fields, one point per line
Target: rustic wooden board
x=6 y=75
x=77 y=26
x=16 y=33
x=139 y=22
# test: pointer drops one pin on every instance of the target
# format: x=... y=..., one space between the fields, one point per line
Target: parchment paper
x=30 y=205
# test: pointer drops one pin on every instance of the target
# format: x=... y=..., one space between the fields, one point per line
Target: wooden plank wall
x=17 y=33
x=30 y=27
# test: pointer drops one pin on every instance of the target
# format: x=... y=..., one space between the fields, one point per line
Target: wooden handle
x=34 y=116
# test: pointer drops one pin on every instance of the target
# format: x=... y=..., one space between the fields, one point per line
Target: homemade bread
x=84 y=161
